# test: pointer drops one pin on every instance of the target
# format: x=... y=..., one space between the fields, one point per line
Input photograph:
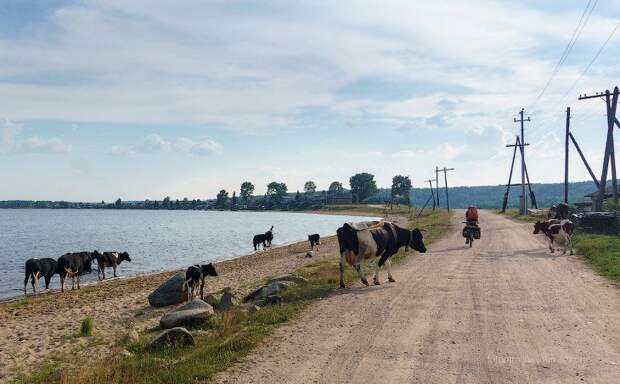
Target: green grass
x=516 y=214
x=227 y=337
x=602 y=251
x=86 y=327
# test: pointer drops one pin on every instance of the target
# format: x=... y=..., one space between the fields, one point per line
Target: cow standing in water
x=263 y=238
x=554 y=227
x=109 y=259
x=37 y=268
x=74 y=265
x=374 y=239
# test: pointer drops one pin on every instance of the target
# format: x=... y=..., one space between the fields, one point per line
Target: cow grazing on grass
x=314 y=240
x=374 y=239
x=197 y=274
x=109 y=259
x=263 y=238
x=554 y=227
x=37 y=268
x=74 y=265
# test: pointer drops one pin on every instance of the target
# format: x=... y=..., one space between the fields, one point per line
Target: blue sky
x=142 y=99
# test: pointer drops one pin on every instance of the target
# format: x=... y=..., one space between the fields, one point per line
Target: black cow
x=314 y=240
x=263 y=238
x=74 y=265
x=193 y=275
x=35 y=268
x=377 y=239
x=109 y=259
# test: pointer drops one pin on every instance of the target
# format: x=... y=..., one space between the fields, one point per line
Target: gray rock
x=227 y=301
x=175 y=337
x=267 y=290
x=126 y=353
x=289 y=278
x=213 y=299
x=169 y=293
x=273 y=299
x=309 y=254
x=195 y=311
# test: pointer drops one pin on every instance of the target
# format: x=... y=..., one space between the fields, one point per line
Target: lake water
x=155 y=240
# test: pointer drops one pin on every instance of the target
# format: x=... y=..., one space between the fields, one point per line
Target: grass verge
x=600 y=250
x=226 y=338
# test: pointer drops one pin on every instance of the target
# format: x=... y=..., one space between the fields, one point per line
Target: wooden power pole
x=445 y=176
x=430 y=182
x=522 y=149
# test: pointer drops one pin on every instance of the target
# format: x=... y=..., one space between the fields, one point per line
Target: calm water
x=155 y=240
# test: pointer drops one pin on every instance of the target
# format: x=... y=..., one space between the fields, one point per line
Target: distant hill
x=490 y=196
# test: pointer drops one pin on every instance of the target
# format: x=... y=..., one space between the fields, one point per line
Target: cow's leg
x=569 y=238
x=78 y=280
x=375 y=279
x=36 y=281
x=34 y=285
x=47 y=281
x=360 y=273
x=62 y=283
x=342 y=270
x=389 y=270
x=551 y=244
x=114 y=269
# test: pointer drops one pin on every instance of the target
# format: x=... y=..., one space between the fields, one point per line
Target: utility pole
x=430 y=182
x=437 y=184
x=445 y=176
x=566 y=138
x=611 y=102
x=522 y=148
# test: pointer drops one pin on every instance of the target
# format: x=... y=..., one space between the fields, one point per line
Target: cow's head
x=539 y=226
x=124 y=256
x=208 y=270
x=94 y=255
x=416 y=240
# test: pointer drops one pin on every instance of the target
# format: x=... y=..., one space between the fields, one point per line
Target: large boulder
x=227 y=300
x=196 y=311
x=214 y=299
x=267 y=290
x=290 y=278
x=169 y=293
x=175 y=337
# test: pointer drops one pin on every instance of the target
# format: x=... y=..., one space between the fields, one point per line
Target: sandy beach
x=45 y=326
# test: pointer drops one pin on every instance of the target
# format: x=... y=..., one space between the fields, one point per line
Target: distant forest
x=460 y=197
x=490 y=196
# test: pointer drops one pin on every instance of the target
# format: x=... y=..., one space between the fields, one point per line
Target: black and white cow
x=109 y=259
x=314 y=240
x=37 y=268
x=263 y=238
x=74 y=265
x=554 y=227
x=197 y=274
x=375 y=239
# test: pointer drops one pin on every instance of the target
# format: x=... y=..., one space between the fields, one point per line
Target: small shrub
x=86 y=329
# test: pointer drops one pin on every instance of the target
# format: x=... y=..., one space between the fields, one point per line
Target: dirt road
x=505 y=311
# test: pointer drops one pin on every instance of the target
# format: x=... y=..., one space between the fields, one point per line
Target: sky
x=144 y=99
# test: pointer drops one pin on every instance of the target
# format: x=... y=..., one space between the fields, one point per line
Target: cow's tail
x=29 y=272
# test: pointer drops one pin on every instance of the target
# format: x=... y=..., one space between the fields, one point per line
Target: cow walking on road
x=552 y=228
x=37 y=268
x=368 y=240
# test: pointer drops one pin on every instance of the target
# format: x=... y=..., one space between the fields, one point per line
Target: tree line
x=362 y=187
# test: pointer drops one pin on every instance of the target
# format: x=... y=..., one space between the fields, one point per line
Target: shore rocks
x=214 y=299
x=169 y=293
x=290 y=278
x=227 y=301
x=274 y=286
x=175 y=337
x=193 y=312
x=131 y=337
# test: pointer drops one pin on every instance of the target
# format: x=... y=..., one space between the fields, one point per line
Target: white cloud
x=10 y=142
x=154 y=143
x=36 y=144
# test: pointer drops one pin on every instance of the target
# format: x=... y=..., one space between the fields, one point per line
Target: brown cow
x=554 y=227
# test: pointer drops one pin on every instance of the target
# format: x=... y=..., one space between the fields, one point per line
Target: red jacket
x=471 y=214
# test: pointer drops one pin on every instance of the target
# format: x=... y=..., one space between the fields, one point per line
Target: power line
x=569 y=46
x=613 y=32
